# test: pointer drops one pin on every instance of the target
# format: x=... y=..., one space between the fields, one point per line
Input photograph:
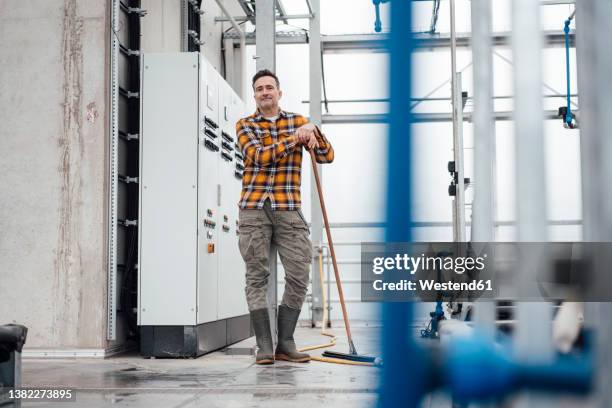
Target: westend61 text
x=428 y=285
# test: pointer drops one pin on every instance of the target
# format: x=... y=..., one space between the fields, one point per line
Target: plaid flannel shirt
x=273 y=160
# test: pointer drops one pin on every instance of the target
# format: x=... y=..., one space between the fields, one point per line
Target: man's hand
x=306 y=136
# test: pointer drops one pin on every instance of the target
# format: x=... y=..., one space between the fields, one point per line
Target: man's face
x=267 y=93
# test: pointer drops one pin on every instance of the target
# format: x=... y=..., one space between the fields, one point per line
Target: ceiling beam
x=282 y=15
x=422 y=117
x=376 y=42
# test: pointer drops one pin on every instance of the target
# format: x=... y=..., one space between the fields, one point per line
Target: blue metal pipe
x=402 y=358
x=377 y=22
x=472 y=368
x=566 y=30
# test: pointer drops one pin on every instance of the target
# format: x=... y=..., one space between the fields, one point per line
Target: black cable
x=434 y=16
x=198 y=25
x=323 y=80
x=223 y=61
x=129 y=281
x=189 y=28
x=232 y=27
x=127 y=286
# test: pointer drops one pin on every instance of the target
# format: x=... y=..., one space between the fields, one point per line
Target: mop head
x=351 y=357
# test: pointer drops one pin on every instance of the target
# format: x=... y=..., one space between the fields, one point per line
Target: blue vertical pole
x=377 y=22
x=566 y=30
x=403 y=377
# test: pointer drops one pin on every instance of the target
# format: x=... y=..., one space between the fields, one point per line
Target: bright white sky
x=358 y=174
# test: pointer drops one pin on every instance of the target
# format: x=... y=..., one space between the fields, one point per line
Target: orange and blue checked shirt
x=273 y=160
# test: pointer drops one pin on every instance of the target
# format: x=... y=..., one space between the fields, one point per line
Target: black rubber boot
x=285 y=349
x=261 y=324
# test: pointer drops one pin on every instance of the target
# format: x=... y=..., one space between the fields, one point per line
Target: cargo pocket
x=301 y=243
x=304 y=220
x=249 y=240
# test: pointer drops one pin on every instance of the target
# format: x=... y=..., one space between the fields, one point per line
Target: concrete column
x=53 y=99
x=533 y=329
x=265 y=38
x=265 y=50
x=483 y=210
x=594 y=63
x=457 y=100
x=316 y=216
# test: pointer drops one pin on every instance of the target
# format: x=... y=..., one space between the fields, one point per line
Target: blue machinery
x=377 y=22
x=432 y=331
x=433 y=328
x=470 y=369
x=568 y=120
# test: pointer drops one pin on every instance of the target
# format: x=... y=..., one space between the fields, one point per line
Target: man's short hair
x=265 y=73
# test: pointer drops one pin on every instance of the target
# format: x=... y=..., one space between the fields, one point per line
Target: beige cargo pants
x=289 y=232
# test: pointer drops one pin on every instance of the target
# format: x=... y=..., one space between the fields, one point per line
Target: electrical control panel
x=190 y=269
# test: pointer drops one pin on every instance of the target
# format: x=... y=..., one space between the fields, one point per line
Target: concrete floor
x=215 y=380
x=229 y=380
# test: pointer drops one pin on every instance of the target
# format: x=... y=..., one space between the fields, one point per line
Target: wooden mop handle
x=331 y=244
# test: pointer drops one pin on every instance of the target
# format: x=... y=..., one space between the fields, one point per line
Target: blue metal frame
x=569 y=117
x=377 y=22
x=401 y=356
x=471 y=368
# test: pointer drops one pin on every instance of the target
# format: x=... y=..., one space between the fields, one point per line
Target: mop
x=333 y=339
x=352 y=355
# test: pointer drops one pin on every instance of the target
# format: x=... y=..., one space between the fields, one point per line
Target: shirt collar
x=260 y=117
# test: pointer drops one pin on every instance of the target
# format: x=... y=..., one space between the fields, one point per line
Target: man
x=271 y=141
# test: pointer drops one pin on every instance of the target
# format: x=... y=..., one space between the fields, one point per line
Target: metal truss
x=376 y=42
x=421 y=117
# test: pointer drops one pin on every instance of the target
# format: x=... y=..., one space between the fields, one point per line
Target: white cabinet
x=191 y=275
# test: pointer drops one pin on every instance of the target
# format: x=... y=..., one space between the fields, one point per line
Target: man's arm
x=324 y=152
x=257 y=154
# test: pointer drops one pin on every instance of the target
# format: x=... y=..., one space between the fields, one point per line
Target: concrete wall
x=53 y=137
x=161 y=30
x=54 y=61
x=161 y=27
x=211 y=33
